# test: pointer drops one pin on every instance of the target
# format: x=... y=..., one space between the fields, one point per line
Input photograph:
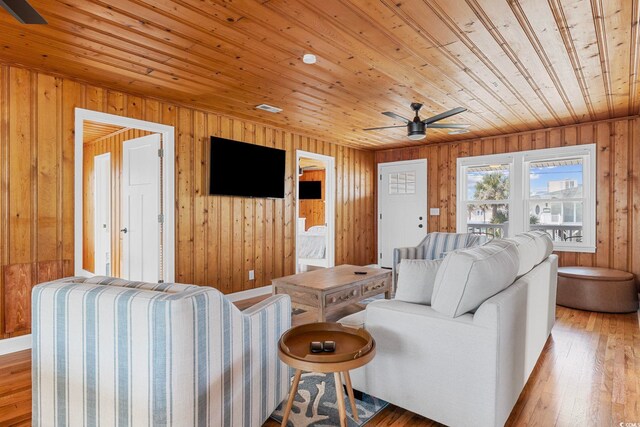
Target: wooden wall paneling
x=258 y=223
x=20 y=167
x=278 y=231
x=48 y=270
x=248 y=223
x=134 y=107
x=88 y=230
x=339 y=225
x=634 y=217
x=289 y=211
x=200 y=199
x=433 y=185
x=269 y=222
x=47 y=168
x=237 y=133
x=212 y=247
x=184 y=188
x=621 y=194
x=18 y=279
x=73 y=95
x=586 y=135
x=226 y=224
x=4 y=184
x=445 y=177
x=454 y=153
x=603 y=195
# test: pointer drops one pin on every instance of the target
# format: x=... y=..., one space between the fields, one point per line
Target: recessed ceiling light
x=309 y=58
x=458 y=131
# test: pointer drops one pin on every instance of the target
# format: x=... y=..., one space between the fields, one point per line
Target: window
x=552 y=190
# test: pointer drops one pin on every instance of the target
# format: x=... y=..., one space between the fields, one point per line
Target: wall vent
x=268 y=108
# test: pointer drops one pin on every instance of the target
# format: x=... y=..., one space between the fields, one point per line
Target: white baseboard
x=251 y=293
x=23 y=342
x=11 y=345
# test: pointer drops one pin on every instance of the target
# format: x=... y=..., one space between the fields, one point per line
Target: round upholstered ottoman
x=597 y=289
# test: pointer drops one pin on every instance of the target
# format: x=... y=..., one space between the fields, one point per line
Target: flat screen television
x=246 y=170
x=310 y=190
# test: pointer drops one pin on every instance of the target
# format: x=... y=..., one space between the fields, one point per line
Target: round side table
x=354 y=348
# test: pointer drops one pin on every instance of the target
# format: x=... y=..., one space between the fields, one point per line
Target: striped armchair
x=111 y=352
x=433 y=246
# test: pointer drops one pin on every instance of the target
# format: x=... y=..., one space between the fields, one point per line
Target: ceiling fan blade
x=396 y=116
x=444 y=115
x=22 y=11
x=447 y=126
x=386 y=127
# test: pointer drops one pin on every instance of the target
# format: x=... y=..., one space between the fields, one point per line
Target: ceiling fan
x=417 y=128
x=22 y=11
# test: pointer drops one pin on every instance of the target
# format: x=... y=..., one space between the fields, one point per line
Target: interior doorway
x=315 y=209
x=124 y=219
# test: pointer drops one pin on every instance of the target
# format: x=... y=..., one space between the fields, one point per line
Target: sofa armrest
x=274 y=302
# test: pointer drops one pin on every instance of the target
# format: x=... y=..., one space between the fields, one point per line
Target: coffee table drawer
x=375 y=287
x=342 y=296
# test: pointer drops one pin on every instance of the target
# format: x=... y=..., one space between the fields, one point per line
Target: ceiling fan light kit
x=417 y=128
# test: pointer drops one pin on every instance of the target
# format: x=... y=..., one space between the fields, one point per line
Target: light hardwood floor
x=588 y=375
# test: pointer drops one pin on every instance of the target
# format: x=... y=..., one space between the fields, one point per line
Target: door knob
x=124 y=230
x=419 y=225
x=420 y=218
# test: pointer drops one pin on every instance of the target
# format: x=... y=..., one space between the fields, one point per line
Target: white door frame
x=96 y=227
x=168 y=190
x=329 y=204
x=418 y=162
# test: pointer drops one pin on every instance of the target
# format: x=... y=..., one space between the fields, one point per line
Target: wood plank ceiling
x=94 y=131
x=516 y=65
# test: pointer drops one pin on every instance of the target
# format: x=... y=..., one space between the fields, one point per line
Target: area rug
x=316 y=405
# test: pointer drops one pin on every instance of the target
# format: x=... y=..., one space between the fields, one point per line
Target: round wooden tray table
x=354 y=348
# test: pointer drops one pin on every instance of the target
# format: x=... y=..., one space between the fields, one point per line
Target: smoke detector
x=269 y=108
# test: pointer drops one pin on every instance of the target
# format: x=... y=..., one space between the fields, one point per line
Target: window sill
x=574 y=248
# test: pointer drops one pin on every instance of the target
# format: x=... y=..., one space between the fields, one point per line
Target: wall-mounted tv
x=246 y=170
x=310 y=190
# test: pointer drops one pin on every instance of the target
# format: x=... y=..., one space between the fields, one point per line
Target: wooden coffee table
x=353 y=350
x=330 y=289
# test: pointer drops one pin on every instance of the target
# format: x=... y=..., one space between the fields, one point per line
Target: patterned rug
x=316 y=405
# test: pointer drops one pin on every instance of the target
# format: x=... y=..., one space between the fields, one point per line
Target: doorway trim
x=168 y=186
x=106 y=157
x=329 y=205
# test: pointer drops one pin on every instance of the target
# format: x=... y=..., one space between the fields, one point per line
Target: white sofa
x=467 y=370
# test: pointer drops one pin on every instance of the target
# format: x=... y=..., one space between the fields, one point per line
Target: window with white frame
x=552 y=190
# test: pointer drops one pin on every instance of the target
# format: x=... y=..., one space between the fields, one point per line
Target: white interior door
x=402 y=206
x=140 y=231
x=102 y=214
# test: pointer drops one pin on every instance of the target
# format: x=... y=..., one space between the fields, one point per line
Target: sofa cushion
x=544 y=244
x=416 y=279
x=469 y=277
x=527 y=252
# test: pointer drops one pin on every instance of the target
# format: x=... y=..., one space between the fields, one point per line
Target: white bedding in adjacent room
x=313 y=242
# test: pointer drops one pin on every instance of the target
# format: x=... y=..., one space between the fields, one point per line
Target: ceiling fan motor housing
x=416 y=130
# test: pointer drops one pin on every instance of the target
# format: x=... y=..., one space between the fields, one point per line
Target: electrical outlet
x=434 y=211
x=252 y=275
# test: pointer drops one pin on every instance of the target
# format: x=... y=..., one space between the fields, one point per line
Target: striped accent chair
x=111 y=352
x=434 y=246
